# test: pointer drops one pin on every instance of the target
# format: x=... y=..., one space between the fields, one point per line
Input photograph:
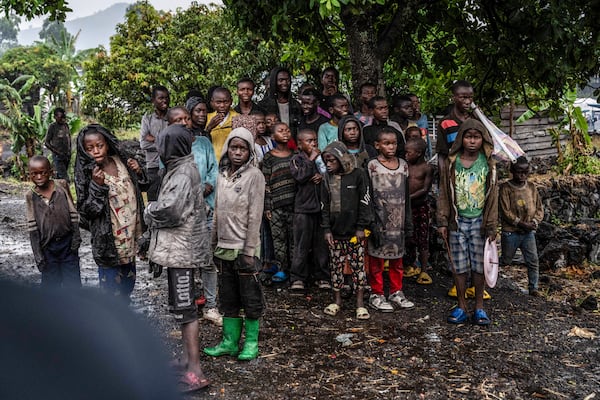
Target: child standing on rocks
x=521 y=211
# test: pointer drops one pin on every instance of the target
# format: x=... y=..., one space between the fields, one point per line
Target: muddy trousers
x=282 y=220
x=239 y=289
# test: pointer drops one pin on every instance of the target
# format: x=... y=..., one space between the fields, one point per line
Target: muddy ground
x=527 y=352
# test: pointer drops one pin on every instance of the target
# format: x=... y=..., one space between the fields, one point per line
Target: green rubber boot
x=250 y=350
x=232 y=330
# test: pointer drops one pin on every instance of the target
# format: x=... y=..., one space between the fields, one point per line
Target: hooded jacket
x=345 y=198
x=239 y=201
x=92 y=199
x=366 y=152
x=270 y=105
x=447 y=211
x=178 y=217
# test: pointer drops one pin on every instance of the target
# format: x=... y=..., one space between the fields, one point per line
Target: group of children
x=293 y=195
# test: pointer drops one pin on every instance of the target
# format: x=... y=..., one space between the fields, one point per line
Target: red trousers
x=396 y=271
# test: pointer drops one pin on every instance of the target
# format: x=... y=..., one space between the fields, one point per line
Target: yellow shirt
x=220 y=132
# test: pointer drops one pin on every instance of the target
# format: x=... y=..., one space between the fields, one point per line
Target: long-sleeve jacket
x=177 y=219
x=307 y=193
x=519 y=204
x=446 y=204
x=204 y=156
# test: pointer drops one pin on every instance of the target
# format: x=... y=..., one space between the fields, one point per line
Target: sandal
x=279 y=277
x=412 y=271
x=458 y=316
x=481 y=318
x=424 y=279
x=190 y=382
x=362 y=313
x=332 y=309
x=470 y=293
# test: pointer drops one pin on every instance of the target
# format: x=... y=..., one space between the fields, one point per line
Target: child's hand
x=316 y=179
x=314 y=153
x=216 y=120
x=268 y=215
x=329 y=238
x=134 y=165
x=527 y=226
x=443 y=231
x=491 y=237
x=98 y=175
x=208 y=189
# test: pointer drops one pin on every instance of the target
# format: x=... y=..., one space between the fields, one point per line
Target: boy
x=364 y=113
x=350 y=133
x=180 y=239
x=58 y=141
x=152 y=125
x=245 y=92
x=393 y=224
x=308 y=235
x=345 y=213
x=219 y=121
x=236 y=243
x=329 y=132
x=403 y=111
x=380 y=109
x=263 y=142
x=53 y=226
x=280 y=100
x=467 y=212
x=419 y=183
x=521 y=211
x=280 y=189
x=311 y=119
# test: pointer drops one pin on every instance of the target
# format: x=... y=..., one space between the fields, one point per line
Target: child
x=350 y=133
x=521 y=210
x=152 y=125
x=393 y=224
x=403 y=111
x=58 y=141
x=280 y=189
x=345 y=213
x=198 y=109
x=467 y=212
x=236 y=243
x=180 y=240
x=110 y=205
x=329 y=132
x=380 y=109
x=245 y=92
x=308 y=234
x=219 y=121
x=53 y=226
x=311 y=119
x=365 y=114
x=420 y=175
x=271 y=119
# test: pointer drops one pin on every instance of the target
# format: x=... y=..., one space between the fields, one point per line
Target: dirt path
x=413 y=354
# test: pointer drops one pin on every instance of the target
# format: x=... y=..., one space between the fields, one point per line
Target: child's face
x=221 y=102
x=261 y=126
x=283 y=82
x=238 y=152
x=412 y=154
x=472 y=141
x=307 y=142
x=245 y=91
x=463 y=98
x=381 y=111
x=60 y=118
x=405 y=109
x=95 y=145
x=282 y=133
x=333 y=164
x=520 y=173
x=199 y=114
x=387 y=145
x=367 y=93
x=309 y=105
x=161 y=101
x=339 y=108
x=416 y=103
x=351 y=132
x=413 y=134
x=180 y=117
x=40 y=173
x=270 y=120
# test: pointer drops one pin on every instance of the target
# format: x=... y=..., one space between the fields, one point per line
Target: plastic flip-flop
x=458 y=316
x=481 y=318
x=279 y=277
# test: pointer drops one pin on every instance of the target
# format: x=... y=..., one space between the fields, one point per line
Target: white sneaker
x=400 y=300
x=379 y=303
x=213 y=315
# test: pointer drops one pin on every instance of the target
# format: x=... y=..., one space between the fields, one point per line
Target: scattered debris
x=582 y=333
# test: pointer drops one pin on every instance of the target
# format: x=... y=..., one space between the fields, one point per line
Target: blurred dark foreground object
x=77 y=345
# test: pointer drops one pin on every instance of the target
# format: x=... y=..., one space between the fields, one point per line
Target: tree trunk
x=366 y=64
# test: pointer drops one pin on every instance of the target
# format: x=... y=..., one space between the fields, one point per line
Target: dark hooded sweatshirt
x=366 y=152
x=92 y=199
x=270 y=104
x=345 y=198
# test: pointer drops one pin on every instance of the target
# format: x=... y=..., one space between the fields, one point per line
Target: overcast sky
x=83 y=8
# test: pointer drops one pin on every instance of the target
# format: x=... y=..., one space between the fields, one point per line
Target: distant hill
x=96 y=29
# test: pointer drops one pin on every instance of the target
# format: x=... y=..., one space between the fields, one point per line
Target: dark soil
x=412 y=354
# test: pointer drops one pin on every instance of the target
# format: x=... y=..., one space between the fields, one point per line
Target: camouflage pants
x=283 y=236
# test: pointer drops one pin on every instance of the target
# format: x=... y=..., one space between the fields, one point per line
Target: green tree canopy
x=57 y=9
x=192 y=49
